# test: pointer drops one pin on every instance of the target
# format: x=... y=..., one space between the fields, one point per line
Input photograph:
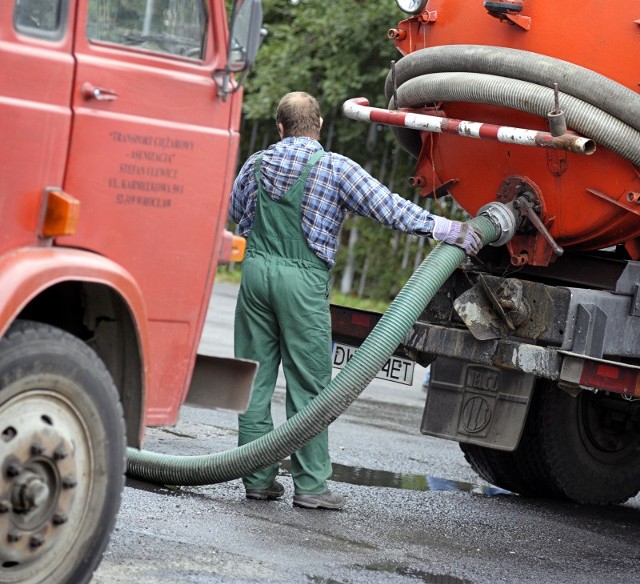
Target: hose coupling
x=503 y=218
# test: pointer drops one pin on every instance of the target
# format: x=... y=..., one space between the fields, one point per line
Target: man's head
x=298 y=115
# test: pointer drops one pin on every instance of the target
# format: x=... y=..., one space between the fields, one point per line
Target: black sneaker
x=326 y=500
x=272 y=493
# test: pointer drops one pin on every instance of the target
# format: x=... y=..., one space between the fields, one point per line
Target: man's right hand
x=456 y=233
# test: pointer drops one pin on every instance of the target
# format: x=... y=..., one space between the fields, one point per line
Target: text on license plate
x=395 y=369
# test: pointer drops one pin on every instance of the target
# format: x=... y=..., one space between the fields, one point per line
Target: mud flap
x=478 y=404
x=222 y=383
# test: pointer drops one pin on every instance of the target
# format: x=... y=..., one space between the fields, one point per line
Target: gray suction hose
x=341 y=391
x=524 y=96
x=584 y=84
x=595 y=105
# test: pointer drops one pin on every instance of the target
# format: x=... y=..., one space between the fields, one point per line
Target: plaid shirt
x=336 y=185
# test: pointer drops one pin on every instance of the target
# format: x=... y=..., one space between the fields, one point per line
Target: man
x=290 y=201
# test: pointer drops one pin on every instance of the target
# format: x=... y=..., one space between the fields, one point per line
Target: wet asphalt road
x=416 y=511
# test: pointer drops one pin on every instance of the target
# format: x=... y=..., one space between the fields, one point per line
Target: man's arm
x=366 y=196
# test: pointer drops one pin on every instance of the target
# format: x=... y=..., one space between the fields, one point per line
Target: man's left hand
x=457 y=233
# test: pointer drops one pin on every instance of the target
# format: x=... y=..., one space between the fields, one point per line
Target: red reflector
x=361 y=320
x=603 y=370
x=610 y=378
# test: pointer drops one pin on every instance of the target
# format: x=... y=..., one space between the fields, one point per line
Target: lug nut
x=36 y=541
x=69 y=483
x=13 y=470
x=59 y=518
x=60 y=453
x=37 y=449
x=5 y=506
x=14 y=536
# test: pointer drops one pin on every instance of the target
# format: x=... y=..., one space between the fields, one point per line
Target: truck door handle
x=90 y=91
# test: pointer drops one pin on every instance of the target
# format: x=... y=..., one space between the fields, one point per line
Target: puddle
x=413 y=482
x=368 y=477
x=419 y=575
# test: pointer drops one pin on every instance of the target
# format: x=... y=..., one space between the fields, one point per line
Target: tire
x=496 y=467
x=584 y=449
x=590 y=445
x=63 y=456
x=521 y=470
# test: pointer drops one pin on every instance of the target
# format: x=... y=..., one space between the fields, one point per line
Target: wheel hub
x=30 y=493
x=37 y=482
x=607 y=428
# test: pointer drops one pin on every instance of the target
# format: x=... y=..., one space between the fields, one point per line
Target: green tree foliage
x=337 y=50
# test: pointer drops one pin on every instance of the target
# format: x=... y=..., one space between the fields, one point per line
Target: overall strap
x=304 y=175
x=277 y=227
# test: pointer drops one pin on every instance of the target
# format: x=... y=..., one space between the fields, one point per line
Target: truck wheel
x=522 y=470
x=590 y=444
x=62 y=456
x=584 y=448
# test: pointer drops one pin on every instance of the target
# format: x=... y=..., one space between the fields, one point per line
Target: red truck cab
x=120 y=134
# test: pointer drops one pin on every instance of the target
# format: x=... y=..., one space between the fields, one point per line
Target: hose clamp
x=503 y=218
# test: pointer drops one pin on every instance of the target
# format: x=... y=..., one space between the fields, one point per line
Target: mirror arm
x=226 y=72
x=224 y=90
x=222 y=77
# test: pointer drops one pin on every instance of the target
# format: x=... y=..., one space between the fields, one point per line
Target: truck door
x=151 y=147
x=35 y=115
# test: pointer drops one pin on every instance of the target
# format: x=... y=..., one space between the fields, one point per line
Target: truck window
x=175 y=27
x=39 y=18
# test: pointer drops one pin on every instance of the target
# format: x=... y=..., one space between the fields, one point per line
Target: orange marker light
x=232 y=248
x=61 y=215
x=238 y=247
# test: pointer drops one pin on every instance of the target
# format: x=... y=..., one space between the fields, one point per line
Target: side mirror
x=246 y=34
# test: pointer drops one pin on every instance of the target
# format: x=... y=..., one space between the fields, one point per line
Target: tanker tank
x=533 y=65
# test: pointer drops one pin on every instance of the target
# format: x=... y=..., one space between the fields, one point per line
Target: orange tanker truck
x=119 y=142
x=534 y=345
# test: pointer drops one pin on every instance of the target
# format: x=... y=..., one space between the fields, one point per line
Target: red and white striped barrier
x=358 y=109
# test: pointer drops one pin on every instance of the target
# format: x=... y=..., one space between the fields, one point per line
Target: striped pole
x=358 y=109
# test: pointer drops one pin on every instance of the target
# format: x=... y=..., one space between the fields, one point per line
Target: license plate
x=396 y=369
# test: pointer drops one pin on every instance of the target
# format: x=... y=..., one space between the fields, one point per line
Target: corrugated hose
x=237 y=462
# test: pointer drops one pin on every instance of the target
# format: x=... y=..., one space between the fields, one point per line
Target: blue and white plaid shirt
x=336 y=185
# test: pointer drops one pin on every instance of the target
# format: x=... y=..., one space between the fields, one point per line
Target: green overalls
x=282 y=314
